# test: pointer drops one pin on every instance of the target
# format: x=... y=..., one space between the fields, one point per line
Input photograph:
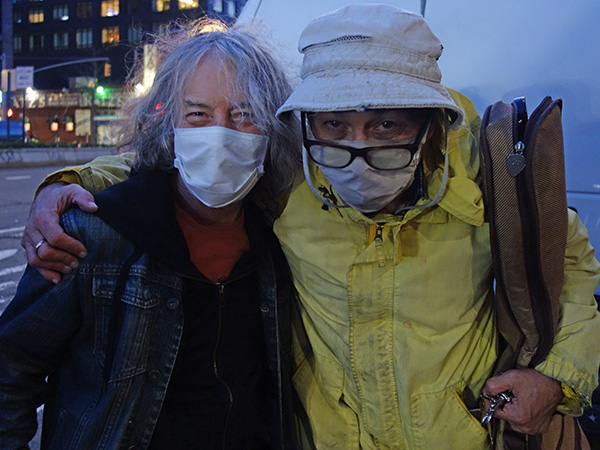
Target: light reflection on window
x=188 y=4
x=110 y=8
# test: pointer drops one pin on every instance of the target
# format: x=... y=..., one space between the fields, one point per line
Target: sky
x=495 y=50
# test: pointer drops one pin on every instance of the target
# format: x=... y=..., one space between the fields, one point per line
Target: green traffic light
x=100 y=90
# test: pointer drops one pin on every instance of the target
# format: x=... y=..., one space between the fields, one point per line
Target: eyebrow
x=197 y=105
x=204 y=105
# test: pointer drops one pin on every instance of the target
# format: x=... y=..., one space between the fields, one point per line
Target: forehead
x=212 y=81
x=370 y=114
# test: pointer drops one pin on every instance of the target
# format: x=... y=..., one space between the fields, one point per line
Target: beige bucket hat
x=370 y=56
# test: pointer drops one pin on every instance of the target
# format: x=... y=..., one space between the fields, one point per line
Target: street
x=17 y=187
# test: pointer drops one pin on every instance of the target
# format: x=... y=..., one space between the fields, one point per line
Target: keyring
x=39 y=244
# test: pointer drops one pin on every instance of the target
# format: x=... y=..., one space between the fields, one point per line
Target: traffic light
x=107 y=68
x=9 y=112
x=101 y=92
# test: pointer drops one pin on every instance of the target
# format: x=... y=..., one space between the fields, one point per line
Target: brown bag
x=526 y=207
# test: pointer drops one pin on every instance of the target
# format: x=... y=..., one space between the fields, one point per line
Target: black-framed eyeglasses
x=391 y=156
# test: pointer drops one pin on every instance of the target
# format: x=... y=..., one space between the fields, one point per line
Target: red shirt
x=215 y=248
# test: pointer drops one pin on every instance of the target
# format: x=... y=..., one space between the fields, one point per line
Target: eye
x=330 y=130
x=197 y=118
x=333 y=124
x=241 y=116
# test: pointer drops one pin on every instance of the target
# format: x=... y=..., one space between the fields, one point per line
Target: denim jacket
x=63 y=332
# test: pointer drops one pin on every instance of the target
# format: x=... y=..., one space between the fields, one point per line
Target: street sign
x=24 y=77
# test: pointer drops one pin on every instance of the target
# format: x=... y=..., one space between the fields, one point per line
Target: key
x=497 y=401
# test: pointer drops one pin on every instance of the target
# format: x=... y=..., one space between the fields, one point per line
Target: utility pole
x=7 y=46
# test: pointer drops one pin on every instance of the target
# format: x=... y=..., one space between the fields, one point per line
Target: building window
x=188 y=4
x=161 y=5
x=110 y=8
x=17 y=43
x=83 y=38
x=230 y=8
x=60 y=12
x=36 y=42
x=135 y=33
x=83 y=10
x=36 y=15
x=17 y=17
x=110 y=35
x=61 y=40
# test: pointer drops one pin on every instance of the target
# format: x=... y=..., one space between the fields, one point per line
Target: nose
x=359 y=134
x=223 y=120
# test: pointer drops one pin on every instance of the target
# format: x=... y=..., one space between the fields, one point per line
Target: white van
x=498 y=51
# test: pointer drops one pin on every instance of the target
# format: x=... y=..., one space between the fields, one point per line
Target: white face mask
x=219 y=166
x=367 y=189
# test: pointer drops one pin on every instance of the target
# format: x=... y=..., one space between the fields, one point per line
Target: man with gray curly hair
x=173 y=330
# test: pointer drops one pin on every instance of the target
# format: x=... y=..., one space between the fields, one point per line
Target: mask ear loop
x=312 y=186
x=442 y=188
x=305 y=166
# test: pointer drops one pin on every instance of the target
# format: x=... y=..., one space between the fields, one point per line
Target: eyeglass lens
x=383 y=158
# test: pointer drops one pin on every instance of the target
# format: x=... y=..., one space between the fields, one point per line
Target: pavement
x=50 y=156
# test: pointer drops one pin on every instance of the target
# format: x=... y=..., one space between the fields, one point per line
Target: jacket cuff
x=577 y=386
x=67 y=176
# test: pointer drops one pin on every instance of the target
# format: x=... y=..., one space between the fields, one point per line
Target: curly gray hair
x=149 y=120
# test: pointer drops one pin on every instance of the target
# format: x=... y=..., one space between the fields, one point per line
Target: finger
x=500 y=383
x=63 y=248
x=48 y=227
x=50 y=271
x=52 y=258
x=30 y=250
x=50 y=275
x=85 y=201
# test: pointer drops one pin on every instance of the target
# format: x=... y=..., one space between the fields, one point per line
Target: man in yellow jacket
x=391 y=256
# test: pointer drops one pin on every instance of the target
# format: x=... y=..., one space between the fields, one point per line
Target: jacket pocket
x=441 y=420
x=131 y=319
x=333 y=424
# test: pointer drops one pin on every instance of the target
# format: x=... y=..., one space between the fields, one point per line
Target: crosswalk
x=11 y=268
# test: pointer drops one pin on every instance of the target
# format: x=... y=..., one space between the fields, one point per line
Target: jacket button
x=154 y=376
x=265 y=309
x=172 y=304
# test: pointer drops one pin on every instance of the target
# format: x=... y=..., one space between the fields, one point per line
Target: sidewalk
x=50 y=156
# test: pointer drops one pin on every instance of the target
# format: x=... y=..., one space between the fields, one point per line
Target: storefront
x=87 y=116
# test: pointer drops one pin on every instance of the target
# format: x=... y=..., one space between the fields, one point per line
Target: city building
x=81 y=52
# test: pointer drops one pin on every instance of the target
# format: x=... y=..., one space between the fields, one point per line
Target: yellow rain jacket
x=399 y=315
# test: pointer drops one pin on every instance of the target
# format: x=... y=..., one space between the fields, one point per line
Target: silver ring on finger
x=39 y=244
